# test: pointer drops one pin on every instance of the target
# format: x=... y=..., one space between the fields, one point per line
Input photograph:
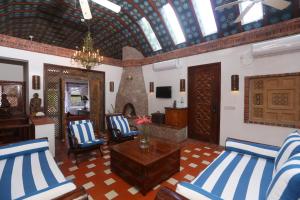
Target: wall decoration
x=182 y=85
x=111 y=86
x=36 y=82
x=235 y=83
x=151 y=87
x=273 y=100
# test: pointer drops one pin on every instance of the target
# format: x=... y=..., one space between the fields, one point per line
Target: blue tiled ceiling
x=58 y=22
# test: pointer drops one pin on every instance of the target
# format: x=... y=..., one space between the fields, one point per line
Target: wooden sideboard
x=176 y=117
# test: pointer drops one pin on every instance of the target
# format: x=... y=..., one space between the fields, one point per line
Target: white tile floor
x=111 y=195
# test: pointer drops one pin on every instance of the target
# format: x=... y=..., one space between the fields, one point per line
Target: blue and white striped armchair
x=81 y=137
x=119 y=128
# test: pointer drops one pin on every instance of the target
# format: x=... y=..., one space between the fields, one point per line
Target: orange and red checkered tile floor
x=93 y=172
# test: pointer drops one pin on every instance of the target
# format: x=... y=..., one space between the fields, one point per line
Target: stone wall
x=132 y=90
x=132 y=86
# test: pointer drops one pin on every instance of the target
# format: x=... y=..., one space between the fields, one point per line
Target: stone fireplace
x=129 y=110
x=132 y=90
x=132 y=86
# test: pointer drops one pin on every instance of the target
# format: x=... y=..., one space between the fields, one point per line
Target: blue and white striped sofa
x=247 y=170
x=28 y=171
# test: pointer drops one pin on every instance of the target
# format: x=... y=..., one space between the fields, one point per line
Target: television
x=164 y=92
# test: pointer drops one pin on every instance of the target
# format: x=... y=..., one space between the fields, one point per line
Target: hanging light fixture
x=88 y=57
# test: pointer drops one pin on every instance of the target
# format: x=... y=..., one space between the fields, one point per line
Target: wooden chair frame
x=74 y=147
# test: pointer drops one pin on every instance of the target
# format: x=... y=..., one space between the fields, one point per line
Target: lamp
x=36 y=82
x=182 y=85
x=235 y=83
x=84 y=100
x=151 y=87
x=111 y=86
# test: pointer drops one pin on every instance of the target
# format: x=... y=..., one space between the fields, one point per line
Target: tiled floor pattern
x=94 y=174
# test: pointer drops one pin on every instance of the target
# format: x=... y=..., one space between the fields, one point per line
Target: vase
x=144 y=137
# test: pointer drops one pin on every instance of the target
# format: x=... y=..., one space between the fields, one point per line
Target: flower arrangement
x=143 y=121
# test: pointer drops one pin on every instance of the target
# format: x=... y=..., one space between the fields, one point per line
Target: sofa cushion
x=193 y=192
x=286 y=182
x=236 y=176
x=24 y=147
x=290 y=147
x=34 y=175
x=251 y=148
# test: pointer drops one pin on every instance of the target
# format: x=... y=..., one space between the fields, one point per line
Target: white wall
x=10 y=72
x=36 y=67
x=232 y=121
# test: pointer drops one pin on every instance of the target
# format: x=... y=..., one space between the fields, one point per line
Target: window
x=150 y=35
x=172 y=24
x=254 y=14
x=205 y=16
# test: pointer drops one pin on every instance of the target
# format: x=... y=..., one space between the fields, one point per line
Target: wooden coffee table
x=145 y=168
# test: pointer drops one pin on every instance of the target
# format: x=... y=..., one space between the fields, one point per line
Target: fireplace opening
x=129 y=110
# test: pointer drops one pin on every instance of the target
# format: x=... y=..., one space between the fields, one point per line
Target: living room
x=104 y=100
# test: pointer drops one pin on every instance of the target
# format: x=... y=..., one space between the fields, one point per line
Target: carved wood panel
x=204 y=102
x=274 y=99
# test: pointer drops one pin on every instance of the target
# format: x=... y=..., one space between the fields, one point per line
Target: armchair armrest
x=74 y=141
x=117 y=131
x=166 y=193
x=251 y=148
x=194 y=192
x=133 y=127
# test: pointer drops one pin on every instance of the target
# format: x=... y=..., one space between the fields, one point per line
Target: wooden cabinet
x=176 y=117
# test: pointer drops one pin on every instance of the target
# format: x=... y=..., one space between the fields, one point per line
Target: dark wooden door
x=204 y=83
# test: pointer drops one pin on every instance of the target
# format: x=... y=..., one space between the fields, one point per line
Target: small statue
x=4 y=101
x=35 y=104
x=5 y=106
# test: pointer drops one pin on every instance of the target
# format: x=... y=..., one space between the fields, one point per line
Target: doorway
x=91 y=100
x=204 y=83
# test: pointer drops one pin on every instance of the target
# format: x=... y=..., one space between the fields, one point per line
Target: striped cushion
x=236 y=176
x=25 y=147
x=286 y=182
x=120 y=123
x=32 y=176
x=290 y=147
x=195 y=193
x=91 y=143
x=250 y=148
x=83 y=131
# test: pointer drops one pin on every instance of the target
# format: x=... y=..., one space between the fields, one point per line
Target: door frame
x=76 y=73
x=216 y=101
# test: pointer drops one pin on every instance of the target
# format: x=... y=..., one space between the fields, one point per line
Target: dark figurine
x=4 y=101
x=35 y=104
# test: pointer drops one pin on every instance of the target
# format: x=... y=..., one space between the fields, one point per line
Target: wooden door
x=204 y=102
x=97 y=106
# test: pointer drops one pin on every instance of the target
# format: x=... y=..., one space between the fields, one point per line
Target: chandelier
x=88 y=57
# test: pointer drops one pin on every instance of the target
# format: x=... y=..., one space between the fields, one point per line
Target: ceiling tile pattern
x=58 y=22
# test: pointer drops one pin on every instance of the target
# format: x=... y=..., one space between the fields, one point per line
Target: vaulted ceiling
x=58 y=22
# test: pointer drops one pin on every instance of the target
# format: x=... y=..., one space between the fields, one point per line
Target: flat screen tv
x=164 y=92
